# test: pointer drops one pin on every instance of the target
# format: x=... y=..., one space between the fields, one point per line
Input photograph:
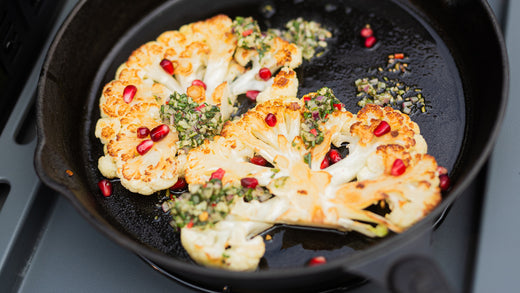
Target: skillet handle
x=406 y=268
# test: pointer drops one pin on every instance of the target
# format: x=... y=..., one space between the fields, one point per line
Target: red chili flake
x=399 y=56
x=199 y=82
x=366 y=32
x=106 y=187
x=143 y=147
x=314 y=132
x=247 y=32
x=167 y=65
x=259 y=160
x=325 y=163
x=142 y=132
x=445 y=182
x=264 y=73
x=69 y=172
x=252 y=95
x=129 y=93
x=270 y=119
x=159 y=132
x=249 y=182
x=190 y=224
x=318 y=260
x=338 y=106
x=200 y=107
x=180 y=184
x=219 y=174
x=370 y=42
x=382 y=128
x=398 y=167
x=334 y=156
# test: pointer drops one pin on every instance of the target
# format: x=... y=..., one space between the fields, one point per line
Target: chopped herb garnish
x=318 y=106
x=390 y=92
x=193 y=122
x=250 y=36
x=210 y=203
x=308 y=35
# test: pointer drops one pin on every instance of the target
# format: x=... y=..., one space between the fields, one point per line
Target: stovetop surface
x=69 y=255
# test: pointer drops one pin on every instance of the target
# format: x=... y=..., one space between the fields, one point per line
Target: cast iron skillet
x=457 y=58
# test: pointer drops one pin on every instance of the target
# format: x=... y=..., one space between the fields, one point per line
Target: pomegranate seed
x=382 y=129
x=247 y=32
x=314 y=132
x=129 y=93
x=444 y=182
x=325 y=163
x=306 y=98
x=270 y=119
x=180 y=184
x=334 y=156
x=398 y=167
x=252 y=95
x=249 y=182
x=318 y=260
x=106 y=187
x=159 y=132
x=259 y=160
x=366 y=32
x=337 y=106
x=219 y=174
x=370 y=42
x=144 y=146
x=265 y=73
x=167 y=65
x=143 y=132
x=199 y=82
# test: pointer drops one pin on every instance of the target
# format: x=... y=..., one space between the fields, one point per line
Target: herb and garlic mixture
x=209 y=203
x=250 y=36
x=309 y=35
x=193 y=122
x=318 y=106
x=390 y=92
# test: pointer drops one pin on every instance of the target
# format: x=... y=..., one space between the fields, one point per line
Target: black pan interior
x=397 y=29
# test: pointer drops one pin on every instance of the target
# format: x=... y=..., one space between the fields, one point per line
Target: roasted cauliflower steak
x=201 y=60
x=307 y=193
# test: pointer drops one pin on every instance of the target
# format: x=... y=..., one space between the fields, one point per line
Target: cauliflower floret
x=230 y=244
x=148 y=173
x=279 y=144
x=284 y=84
x=410 y=195
x=281 y=54
x=362 y=142
x=230 y=154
